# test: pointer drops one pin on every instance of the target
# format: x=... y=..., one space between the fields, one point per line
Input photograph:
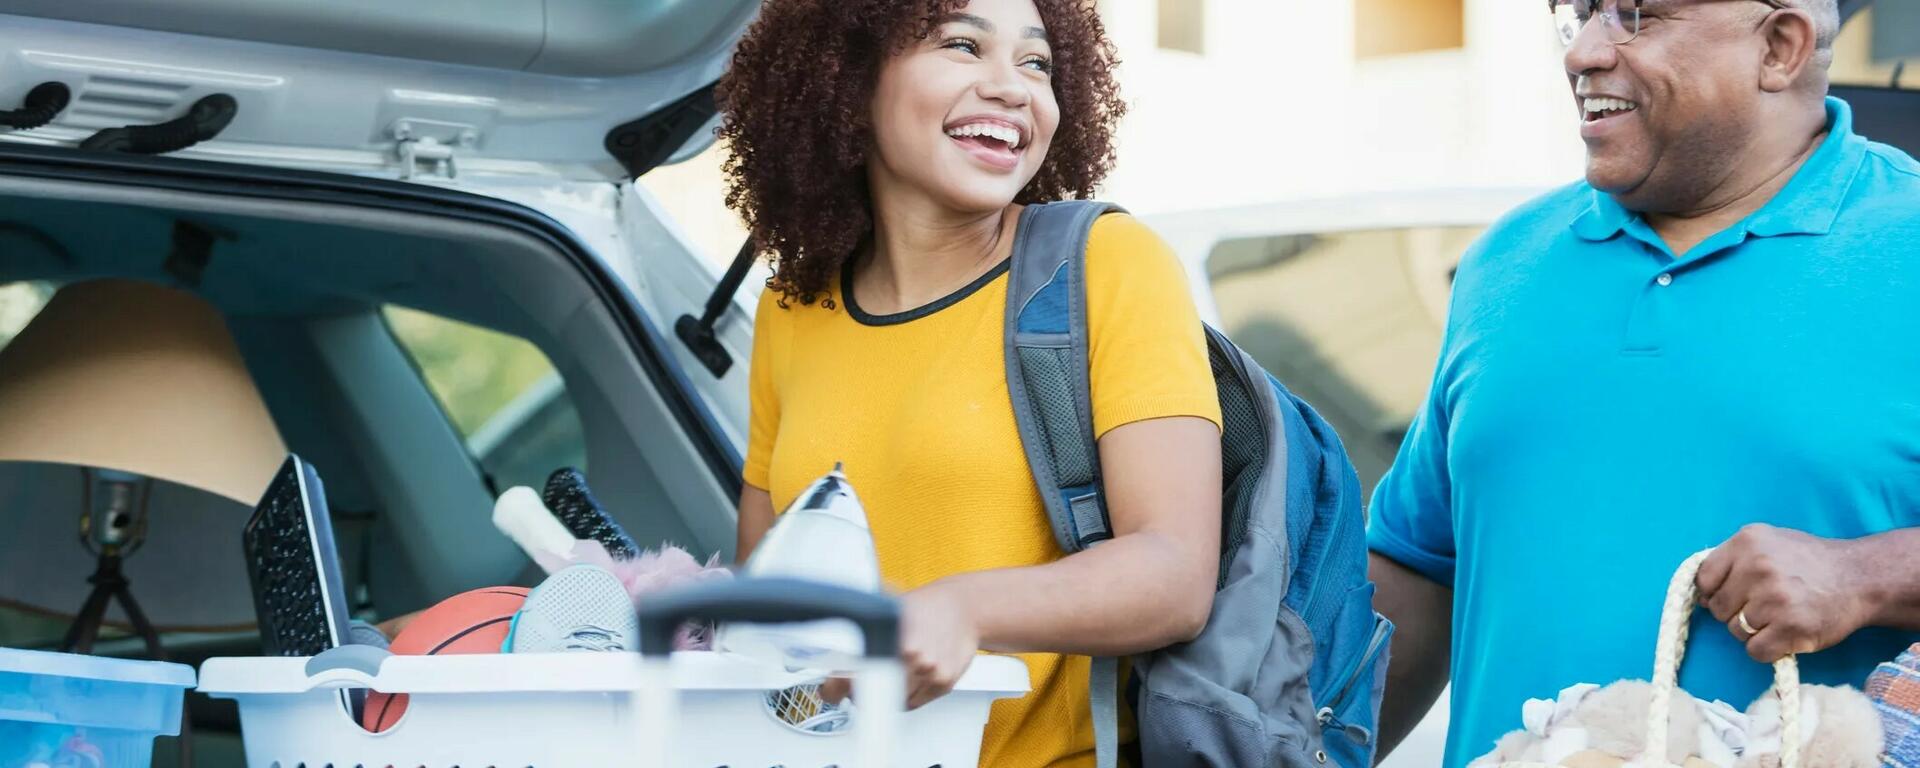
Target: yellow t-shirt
x=915 y=405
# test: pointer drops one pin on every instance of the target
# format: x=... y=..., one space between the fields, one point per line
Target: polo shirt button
x=1665 y=279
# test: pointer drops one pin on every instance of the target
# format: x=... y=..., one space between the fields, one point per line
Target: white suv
x=308 y=167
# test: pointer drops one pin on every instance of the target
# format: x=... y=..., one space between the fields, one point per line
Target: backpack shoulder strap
x=1049 y=377
x=1048 y=374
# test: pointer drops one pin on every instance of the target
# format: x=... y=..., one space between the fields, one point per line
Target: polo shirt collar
x=1603 y=219
x=1807 y=205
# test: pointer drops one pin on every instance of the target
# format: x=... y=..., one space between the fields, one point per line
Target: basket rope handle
x=1671 y=648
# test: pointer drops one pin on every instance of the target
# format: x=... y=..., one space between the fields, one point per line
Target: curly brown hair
x=797 y=126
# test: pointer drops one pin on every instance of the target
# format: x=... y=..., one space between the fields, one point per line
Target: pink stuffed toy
x=656 y=571
x=523 y=517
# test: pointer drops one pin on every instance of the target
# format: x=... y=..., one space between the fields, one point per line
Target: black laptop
x=297 y=590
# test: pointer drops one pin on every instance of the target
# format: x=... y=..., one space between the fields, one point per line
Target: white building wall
x=1279 y=108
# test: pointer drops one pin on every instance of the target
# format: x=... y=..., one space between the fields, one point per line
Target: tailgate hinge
x=430 y=143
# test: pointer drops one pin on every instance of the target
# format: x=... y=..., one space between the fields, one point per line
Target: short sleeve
x=1148 y=349
x=1411 y=519
x=769 y=335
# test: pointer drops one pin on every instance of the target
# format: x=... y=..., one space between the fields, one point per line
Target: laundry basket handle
x=771 y=601
x=1671 y=649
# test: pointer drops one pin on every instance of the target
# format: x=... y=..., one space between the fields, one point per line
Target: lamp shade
x=144 y=379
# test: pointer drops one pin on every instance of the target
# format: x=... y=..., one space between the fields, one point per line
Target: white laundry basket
x=685 y=710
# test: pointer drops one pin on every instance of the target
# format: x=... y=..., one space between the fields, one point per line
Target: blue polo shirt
x=1602 y=408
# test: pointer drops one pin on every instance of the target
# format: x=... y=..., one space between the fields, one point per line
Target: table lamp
x=133 y=447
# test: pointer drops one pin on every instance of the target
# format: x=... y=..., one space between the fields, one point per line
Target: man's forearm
x=1133 y=594
x=1891 y=562
x=1422 y=613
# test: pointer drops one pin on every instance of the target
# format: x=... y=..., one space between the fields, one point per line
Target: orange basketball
x=469 y=622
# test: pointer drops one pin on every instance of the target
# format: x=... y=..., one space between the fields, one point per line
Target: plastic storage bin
x=611 y=709
x=64 y=709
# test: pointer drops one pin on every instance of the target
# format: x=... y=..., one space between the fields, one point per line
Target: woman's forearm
x=1133 y=594
x=756 y=516
x=1150 y=586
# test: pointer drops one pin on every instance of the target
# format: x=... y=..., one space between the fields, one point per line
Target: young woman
x=881 y=151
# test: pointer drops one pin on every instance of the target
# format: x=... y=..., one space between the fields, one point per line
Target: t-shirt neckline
x=924 y=310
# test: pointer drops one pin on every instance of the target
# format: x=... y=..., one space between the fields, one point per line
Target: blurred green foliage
x=474 y=372
x=19 y=302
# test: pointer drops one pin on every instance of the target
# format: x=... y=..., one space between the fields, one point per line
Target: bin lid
x=72 y=665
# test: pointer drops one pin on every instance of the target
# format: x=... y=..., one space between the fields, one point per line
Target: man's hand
x=1795 y=592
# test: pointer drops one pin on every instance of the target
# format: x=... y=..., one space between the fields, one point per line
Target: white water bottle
x=823 y=536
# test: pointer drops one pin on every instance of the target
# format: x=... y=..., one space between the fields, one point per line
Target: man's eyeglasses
x=1620 y=17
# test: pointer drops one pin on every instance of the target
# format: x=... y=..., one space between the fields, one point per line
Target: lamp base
x=109 y=583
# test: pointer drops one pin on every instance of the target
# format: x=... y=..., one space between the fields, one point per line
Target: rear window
x=501 y=394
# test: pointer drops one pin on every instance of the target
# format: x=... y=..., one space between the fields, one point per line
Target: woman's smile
x=995 y=142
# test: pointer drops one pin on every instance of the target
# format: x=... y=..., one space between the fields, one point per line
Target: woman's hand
x=938 y=639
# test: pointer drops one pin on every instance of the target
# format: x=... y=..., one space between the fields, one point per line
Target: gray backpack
x=1290 y=667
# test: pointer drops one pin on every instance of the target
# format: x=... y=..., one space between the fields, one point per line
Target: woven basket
x=1670 y=649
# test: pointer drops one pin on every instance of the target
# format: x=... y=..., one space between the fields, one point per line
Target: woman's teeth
x=1001 y=133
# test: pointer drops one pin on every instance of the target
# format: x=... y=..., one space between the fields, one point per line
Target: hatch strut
x=697 y=333
x=645 y=143
x=204 y=120
x=41 y=105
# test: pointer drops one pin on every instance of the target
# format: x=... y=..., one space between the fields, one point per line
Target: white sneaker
x=582 y=608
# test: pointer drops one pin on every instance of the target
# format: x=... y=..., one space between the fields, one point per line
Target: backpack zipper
x=1382 y=630
x=1319 y=585
x=1315 y=590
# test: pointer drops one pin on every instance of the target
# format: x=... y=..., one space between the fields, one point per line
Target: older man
x=1714 y=339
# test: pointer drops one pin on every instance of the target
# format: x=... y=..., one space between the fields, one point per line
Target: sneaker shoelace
x=592 y=638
